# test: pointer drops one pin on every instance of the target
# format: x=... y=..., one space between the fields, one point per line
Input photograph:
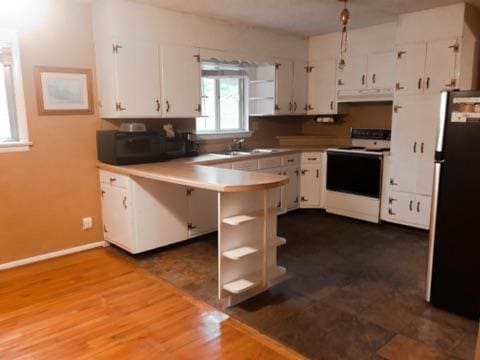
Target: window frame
x=19 y=127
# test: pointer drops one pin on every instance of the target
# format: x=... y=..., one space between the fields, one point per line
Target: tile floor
x=355 y=291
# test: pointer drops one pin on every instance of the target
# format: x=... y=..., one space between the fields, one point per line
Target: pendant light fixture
x=344 y=19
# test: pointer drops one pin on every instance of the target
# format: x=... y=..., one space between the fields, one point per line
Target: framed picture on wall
x=64 y=91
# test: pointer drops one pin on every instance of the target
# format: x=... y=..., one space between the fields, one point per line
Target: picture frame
x=64 y=91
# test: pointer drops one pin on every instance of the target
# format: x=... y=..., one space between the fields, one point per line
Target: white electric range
x=355 y=175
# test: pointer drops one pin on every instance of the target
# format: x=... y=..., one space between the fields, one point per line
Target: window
x=13 y=131
x=223 y=99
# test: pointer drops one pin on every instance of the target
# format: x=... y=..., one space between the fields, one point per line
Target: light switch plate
x=87 y=223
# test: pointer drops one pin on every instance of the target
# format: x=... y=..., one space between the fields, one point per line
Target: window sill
x=222 y=135
x=16 y=146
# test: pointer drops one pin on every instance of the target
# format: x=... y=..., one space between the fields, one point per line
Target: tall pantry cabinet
x=429 y=58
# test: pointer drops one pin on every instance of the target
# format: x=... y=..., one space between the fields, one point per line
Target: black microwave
x=123 y=148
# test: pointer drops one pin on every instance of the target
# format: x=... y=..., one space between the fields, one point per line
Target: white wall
x=170 y=27
x=379 y=38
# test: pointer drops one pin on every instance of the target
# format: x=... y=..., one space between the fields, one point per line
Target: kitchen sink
x=233 y=153
x=245 y=152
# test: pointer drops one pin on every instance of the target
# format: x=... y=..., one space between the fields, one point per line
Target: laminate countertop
x=196 y=171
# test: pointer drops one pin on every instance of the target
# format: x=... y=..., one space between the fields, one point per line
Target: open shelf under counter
x=246 y=250
x=244 y=218
x=274 y=274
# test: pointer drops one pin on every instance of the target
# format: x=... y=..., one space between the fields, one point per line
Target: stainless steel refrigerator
x=453 y=276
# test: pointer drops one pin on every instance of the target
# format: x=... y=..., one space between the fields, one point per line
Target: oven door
x=354 y=173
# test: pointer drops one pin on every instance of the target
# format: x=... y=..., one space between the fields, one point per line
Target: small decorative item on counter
x=169 y=131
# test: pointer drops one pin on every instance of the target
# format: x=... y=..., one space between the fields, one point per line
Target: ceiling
x=301 y=17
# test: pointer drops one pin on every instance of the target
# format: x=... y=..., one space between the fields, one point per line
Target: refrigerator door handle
x=432 y=234
x=442 y=120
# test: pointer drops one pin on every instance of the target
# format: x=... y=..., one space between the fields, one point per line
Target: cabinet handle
x=419 y=84
x=392 y=182
x=310 y=107
x=340 y=82
x=112 y=180
x=422 y=147
x=305 y=171
x=398 y=86
x=103 y=193
x=290 y=160
x=296 y=200
x=396 y=108
x=198 y=108
x=294 y=106
x=455 y=47
x=418 y=206
x=119 y=107
x=410 y=206
x=374 y=78
x=297 y=172
x=452 y=83
x=331 y=105
x=312 y=159
x=105 y=229
x=390 y=212
x=290 y=106
x=124 y=202
x=428 y=82
x=363 y=79
x=400 y=54
x=190 y=226
x=303 y=199
x=415 y=147
x=318 y=173
x=391 y=200
x=158 y=105
x=277 y=108
x=279 y=205
x=168 y=106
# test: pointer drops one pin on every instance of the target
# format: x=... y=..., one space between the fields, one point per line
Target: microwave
x=124 y=148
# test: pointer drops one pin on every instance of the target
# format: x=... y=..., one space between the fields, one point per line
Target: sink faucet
x=236 y=145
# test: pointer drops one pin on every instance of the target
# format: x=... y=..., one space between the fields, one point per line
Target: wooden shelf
x=278 y=241
x=241 y=252
x=244 y=218
x=274 y=275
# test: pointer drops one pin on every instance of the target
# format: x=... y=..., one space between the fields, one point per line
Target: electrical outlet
x=87 y=223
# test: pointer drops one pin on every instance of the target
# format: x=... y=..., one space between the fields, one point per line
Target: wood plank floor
x=95 y=305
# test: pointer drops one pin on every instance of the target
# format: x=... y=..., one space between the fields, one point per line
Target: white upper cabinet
x=354 y=75
x=410 y=68
x=440 y=65
x=300 y=87
x=137 y=68
x=381 y=67
x=181 y=82
x=284 y=87
x=321 y=87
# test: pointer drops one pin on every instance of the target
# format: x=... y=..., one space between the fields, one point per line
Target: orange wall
x=45 y=193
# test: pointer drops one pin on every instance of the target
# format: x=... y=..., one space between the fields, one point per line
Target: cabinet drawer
x=270 y=162
x=289 y=160
x=248 y=165
x=312 y=158
x=223 y=166
x=107 y=177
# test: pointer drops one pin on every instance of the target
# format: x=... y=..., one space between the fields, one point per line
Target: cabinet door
x=354 y=74
x=410 y=68
x=429 y=107
x=440 y=65
x=405 y=144
x=422 y=210
x=138 y=78
x=202 y=211
x=300 y=85
x=290 y=192
x=181 y=82
x=401 y=207
x=381 y=70
x=275 y=194
x=116 y=206
x=283 y=84
x=310 y=186
x=106 y=77
x=321 y=88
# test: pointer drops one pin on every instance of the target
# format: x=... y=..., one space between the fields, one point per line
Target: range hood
x=365 y=95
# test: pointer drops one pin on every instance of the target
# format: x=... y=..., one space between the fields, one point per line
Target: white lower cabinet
x=290 y=192
x=202 y=211
x=409 y=209
x=312 y=179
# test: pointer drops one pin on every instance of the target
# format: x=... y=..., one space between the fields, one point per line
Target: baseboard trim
x=34 y=259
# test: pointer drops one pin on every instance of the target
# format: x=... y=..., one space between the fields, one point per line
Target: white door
x=321 y=88
x=405 y=145
x=138 y=78
x=401 y=207
x=410 y=68
x=440 y=65
x=427 y=126
x=106 y=78
x=116 y=212
x=300 y=87
x=290 y=192
x=284 y=87
x=422 y=210
x=310 y=186
x=202 y=211
x=381 y=71
x=181 y=82
x=354 y=74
